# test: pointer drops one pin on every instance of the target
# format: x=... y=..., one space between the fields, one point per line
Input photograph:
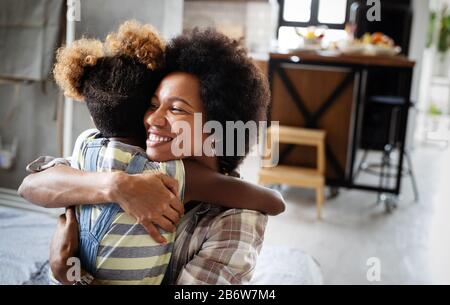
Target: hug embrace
x=137 y=212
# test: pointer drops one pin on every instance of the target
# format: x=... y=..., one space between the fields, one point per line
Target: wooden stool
x=299 y=176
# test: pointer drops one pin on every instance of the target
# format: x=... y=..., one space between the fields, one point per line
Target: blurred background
x=362 y=95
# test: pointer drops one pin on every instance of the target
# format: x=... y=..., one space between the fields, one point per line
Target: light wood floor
x=412 y=243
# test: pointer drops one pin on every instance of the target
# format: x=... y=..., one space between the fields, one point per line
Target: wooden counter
x=324 y=90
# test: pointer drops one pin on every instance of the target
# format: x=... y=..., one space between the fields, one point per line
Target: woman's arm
x=150 y=198
x=204 y=184
x=63 y=186
x=64 y=245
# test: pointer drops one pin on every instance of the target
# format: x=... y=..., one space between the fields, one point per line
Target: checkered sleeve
x=45 y=162
x=229 y=252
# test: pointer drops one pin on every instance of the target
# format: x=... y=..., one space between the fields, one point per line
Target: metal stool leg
x=380 y=197
x=413 y=178
x=361 y=163
x=389 y=201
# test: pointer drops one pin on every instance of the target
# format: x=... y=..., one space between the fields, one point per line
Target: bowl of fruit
x=312 y=36
x=372 y=44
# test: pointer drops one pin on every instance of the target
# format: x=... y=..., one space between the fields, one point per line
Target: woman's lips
x=154 y=140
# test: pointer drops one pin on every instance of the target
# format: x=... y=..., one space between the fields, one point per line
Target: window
x=297 y=11
x=332 y=11
x=304 y=13
x=300 y=14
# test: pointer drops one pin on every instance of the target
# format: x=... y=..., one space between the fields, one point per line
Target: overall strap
x=171 y=168
x=137 y=164
x=106 y=217
x=91 y=237
x=91 y=156
x=88 y=243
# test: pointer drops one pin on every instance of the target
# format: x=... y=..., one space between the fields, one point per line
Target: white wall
x=418 y=40
x=417 y=52
x=256 y=21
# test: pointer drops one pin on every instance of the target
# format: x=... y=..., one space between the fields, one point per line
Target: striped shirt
x=127 y=254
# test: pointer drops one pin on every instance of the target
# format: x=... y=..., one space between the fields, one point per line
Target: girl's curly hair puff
x=71 y=62
x=137 y=41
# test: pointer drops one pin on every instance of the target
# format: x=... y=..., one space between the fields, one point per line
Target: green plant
x=431 y=27
x=434 y=110
x=444 y=32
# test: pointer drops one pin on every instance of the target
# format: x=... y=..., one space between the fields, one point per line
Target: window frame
x=314 y=20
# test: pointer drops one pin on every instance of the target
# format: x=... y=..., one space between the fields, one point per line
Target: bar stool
x=385 y=138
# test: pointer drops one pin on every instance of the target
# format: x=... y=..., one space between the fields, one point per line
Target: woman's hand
x=64 y=245
x=150 y=198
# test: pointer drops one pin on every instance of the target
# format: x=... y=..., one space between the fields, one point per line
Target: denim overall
x=90 y=237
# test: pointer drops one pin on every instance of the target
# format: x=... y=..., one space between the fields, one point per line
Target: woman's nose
x=157 y=118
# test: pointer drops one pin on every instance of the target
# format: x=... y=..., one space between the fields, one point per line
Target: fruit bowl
x=371 y=44
x=312 y=37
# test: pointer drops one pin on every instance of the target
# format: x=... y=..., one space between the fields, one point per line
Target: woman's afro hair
x=232 y=88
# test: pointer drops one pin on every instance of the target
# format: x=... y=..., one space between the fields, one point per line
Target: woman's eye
x=177 y=110
x=153 y=106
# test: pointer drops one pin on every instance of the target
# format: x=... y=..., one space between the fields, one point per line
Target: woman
x=206 y=73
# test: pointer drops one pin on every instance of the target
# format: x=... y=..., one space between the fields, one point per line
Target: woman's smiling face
x=176 y=100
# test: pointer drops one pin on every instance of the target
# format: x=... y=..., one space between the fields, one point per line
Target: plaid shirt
x=213 y=245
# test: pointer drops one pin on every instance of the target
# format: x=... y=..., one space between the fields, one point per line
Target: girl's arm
x=204 y=184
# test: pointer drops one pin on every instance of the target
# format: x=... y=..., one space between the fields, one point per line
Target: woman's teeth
x=155 y=138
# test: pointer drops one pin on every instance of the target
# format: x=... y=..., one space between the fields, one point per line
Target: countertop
x=354 y=59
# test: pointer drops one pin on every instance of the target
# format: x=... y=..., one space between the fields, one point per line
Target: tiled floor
x=412 y=243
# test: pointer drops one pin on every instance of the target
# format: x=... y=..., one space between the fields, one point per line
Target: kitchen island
x=328 y=90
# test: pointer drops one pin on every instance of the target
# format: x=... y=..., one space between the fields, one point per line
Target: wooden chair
x=299 y=176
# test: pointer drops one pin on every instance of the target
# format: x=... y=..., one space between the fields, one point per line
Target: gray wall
x=33 y=124
x=34 y=121
x=99 y=17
